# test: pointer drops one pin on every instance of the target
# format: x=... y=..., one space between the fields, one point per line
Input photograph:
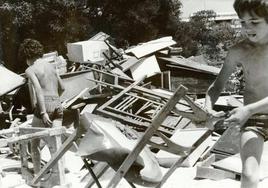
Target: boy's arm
x=61 y=85
x=217 y=86
x=38 y=90
x=39 y=96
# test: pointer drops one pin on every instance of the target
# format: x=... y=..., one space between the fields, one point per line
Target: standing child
x=48 y=87
x=252 y=55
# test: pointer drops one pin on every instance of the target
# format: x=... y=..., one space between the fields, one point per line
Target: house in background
x=223 y=8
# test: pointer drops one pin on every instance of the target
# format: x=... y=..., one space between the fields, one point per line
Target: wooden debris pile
x=124 y=108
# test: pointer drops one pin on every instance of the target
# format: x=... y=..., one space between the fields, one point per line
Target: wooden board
x=188 y=138
x=147 y=67
x=151 y=46
x=229 y=142
x=9 y=80
x=76 y=82
x=213 y=174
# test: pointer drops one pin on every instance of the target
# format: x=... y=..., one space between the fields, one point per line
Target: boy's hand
x=238 y=117
x=46 y=120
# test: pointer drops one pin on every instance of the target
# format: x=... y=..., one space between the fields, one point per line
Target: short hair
x=30 y=48
x=259 y=7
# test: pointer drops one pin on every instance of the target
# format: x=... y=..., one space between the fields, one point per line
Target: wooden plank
x=99 y=169
x=151 y=46
x=186 y=63
x=11 y=80
x=187 y=138
x=141 y=69
x=179 y=93
x=213 y=174
x=129 y=63
x=179 y=162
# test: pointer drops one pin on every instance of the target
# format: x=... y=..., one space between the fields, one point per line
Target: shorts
x=53 y=108
x=258 y=124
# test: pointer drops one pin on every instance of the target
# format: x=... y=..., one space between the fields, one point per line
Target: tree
x=56 y=22
x=142 y=21
x=202 y=35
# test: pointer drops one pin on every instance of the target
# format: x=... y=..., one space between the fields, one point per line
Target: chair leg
x=92 y=173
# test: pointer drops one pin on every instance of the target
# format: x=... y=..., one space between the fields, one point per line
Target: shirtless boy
x=48 y=87
x=252 y=54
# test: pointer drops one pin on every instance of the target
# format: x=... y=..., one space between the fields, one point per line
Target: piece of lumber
x=213 y=174
x=188 y=138
x=141 y=69
x=99 y=169
x=151 y=46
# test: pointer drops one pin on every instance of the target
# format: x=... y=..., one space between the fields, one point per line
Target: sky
x=219 y=6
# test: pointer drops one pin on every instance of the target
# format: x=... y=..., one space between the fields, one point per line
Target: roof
x=221 y=7
x=191 y=65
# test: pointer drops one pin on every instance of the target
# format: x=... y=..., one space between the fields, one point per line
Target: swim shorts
x=53 y=108
x=258 y=124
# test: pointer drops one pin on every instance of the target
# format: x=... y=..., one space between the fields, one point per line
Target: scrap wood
x=213 y=174
x=151 y=46
x=99 y=169
x=131 y=61
x=170 y=146
x=6 y=164
x=191 y=65
x=41 y=133
x=190 y=138
x=176 y=164
x=12 y=80
x=69 y=102
x=13 y=130
x=76 y=82
x=141 y=69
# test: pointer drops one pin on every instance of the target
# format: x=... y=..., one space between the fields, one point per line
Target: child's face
x=255 y=28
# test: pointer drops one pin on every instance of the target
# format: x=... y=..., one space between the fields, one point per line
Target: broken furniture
x=148 y=134
x=69 y=142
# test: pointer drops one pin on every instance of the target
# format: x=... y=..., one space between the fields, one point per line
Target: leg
x=35 y=148
x=35 y=151
x=54 y=143
x=251 y=150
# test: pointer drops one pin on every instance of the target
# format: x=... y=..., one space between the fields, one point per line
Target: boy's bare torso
x=254 y=60
x=47 y=77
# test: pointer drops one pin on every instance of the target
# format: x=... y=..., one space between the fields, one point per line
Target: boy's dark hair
x=259 y=7
x=31 y=48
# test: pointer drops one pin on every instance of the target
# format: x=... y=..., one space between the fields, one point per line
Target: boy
x=252 y=55
x=48 y=87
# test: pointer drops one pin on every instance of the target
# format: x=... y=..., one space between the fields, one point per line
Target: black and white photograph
x=134 y=93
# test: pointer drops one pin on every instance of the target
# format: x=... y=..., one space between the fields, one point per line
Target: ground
x=182 y=177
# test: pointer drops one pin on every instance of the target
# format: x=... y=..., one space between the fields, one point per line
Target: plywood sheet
x=9 y=80
x=151 y=46
x=148 y=67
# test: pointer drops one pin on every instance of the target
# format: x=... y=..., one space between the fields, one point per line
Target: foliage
x=142 y=21
x=205 y=36
x=56 y=22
